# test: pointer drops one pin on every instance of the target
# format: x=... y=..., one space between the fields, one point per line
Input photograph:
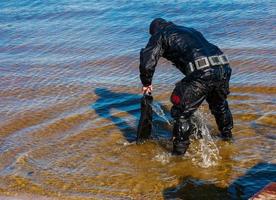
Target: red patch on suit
x=175 y=99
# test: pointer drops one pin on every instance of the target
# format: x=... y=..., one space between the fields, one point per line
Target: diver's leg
x=186 y=98
x=220 y=109
x=217 y=100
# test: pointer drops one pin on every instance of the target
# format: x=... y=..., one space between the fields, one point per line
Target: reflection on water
x=70 y=100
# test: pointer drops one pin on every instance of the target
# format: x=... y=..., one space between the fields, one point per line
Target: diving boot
x=180 y=137
x=226 y=135
x=180 y=147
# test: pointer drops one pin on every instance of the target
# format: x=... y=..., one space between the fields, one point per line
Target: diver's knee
x=177 y=112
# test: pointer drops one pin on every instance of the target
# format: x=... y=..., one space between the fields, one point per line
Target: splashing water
x=207 y=154
x=159 y=111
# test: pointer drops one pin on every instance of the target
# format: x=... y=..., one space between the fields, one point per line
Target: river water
x=70 y=101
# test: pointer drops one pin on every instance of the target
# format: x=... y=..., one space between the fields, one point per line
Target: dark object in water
x=145 y=122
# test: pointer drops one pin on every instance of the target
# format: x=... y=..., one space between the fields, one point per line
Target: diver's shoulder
x=179 y=28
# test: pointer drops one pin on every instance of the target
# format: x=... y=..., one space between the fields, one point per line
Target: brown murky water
x=71 y=141
x=69 y=114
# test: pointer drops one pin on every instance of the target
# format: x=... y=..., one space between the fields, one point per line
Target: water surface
x=70 y=92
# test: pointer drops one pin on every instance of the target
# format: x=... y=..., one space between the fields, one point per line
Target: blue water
x=76 y=32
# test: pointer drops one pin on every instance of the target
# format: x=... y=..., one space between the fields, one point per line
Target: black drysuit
x=182 y=45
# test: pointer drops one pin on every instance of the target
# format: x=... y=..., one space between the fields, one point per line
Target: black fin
x=145 y=122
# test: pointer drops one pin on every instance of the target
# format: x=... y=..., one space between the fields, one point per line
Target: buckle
x=224 y=59
x=202 y=63
x=215 y=60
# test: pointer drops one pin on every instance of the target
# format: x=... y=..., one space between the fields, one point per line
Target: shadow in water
x=243 y=188
x=193 y=189
x=254 y=180
x=129 y=103
x=110 y=101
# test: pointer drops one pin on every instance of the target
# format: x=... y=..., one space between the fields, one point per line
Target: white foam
x=207 y=154
x=163 y=157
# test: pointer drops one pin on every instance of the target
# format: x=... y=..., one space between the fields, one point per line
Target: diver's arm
x=149 y=57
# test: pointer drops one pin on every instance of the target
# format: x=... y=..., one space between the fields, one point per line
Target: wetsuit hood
x=157 y=25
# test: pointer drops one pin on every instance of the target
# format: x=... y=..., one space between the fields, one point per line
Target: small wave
x=268 y=119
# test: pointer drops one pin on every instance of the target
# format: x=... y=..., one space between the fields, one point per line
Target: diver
x=207 y=74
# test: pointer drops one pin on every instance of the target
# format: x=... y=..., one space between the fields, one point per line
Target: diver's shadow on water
x=253 y=181
x=114 y=105
x=244 y=187
x=193 y=189
x=109 y=101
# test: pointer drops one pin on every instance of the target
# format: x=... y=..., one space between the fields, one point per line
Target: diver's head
x=157 y=24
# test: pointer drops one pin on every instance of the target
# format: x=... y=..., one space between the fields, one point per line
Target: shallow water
x=70 y=92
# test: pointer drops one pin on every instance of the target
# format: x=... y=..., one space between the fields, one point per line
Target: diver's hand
x=147 y=89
